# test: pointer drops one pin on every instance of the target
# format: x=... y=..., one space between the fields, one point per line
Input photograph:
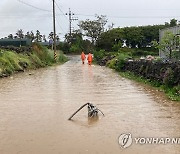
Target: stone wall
x=165 y=73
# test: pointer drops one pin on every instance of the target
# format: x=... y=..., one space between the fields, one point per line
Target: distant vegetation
x=34 y=37
x=113 y=39
x=92 y=35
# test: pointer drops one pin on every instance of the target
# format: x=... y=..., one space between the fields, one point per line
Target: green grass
x=11 y=62
x=172 y=93
x=61 y=58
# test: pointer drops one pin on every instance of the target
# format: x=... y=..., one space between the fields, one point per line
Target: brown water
x=34 y=110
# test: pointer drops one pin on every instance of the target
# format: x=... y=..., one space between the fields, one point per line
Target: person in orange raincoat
x=83 y=57
x=90 y=58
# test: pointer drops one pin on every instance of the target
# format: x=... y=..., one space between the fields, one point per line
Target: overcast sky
x=37 y=14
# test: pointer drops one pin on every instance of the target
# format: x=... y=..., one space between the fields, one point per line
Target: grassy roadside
x=12 y=62
x=171 y=93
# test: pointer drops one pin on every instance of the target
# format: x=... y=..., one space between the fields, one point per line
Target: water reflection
x=93 y=120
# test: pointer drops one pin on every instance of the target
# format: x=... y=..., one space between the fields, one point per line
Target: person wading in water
x=89 y=58
x=83 y=57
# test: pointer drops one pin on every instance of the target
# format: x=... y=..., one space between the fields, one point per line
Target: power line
x=69 y=19
x=61 y=11
x=131 y=16
x=33 y=6
x=22 y=16
x=60 y=26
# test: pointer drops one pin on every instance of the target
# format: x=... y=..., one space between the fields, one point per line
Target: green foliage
x=46 y=56
x=120 y=62
x=98 y=55
x=116 y=47
x=173 y=22
x=167 y=43
x=112 y=63
x=75 y=43
x=134 y=37
x=64 y=46
x=11 y=61
x=20 y=34
x=93 y=28
x=110 y=39
x=176 y=54
x=74 y=49
x=38 y=36
x=62 y=58
x=36 y=62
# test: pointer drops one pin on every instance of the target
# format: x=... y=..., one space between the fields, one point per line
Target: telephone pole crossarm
x=70 y=14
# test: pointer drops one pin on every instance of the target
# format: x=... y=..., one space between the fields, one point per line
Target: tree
x=111 y=39
x=133 y=36
x=167 y=44
x=173 y=22
x=75 y=41
x=20 y=34
x=30 y=35
x=38 y=36
x=10 y=36
x=150 y=33
x=44 y=38
x=93 y=28
x=51 y=36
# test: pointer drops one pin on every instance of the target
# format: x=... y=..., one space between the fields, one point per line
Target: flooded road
x=34 y=110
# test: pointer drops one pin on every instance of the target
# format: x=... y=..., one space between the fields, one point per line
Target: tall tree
x=51 y=35
x=167 y=44
x=38 y=36
x=30 y=35
x=93 y=28
x=173 y=22
x=110 y=38
x=133 y=36
x=20 y=34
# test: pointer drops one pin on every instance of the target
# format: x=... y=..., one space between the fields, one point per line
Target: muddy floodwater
x=35 y=107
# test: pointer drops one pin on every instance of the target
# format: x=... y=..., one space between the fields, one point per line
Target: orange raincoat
x=90 y=58
x=83 y=57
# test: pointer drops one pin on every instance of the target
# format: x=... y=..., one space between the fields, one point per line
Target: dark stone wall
x=165 y=73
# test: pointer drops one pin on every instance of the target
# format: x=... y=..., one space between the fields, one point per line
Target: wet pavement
x=34 y=112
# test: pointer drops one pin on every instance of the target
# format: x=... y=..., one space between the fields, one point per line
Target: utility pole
x=54 y=29
x=70 y=14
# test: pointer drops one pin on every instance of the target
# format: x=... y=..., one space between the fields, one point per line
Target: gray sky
x=16 y=15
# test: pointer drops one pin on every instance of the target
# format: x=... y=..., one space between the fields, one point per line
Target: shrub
x=98 y=55
x=120 y=61
x=62 y=58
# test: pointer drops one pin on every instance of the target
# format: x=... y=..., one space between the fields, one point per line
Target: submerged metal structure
x=92 y=111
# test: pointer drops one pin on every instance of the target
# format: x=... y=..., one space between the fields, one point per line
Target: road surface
x=35 y=107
